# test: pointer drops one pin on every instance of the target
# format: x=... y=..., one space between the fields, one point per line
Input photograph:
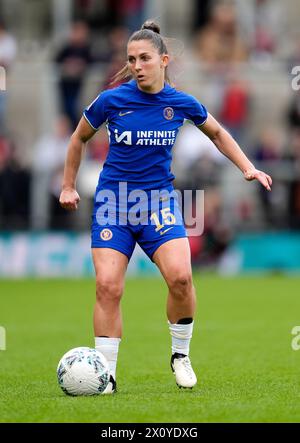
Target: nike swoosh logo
x=124 y=113
x=166 y=230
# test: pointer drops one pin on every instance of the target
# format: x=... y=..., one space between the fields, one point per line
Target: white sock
x=181 y=336
x=109 y=347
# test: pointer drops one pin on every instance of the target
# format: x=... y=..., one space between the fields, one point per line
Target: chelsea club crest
x=168 y=113
x=106 y=234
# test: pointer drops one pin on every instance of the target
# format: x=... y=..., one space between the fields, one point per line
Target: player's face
x=146 y=65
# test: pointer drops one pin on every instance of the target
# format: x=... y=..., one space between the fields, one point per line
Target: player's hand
x=262 y=177
x=69 y=199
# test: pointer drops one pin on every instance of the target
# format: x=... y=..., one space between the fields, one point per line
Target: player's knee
x=180 y=282
x=108 y=290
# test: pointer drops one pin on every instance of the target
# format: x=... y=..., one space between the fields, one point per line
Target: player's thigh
x=112 y=247
x=173 y=259
x=110 y=268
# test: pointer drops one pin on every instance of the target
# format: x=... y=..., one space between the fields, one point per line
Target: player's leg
x=110 y=268
x=173 y=259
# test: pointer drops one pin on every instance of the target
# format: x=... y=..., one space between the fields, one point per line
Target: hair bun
x=152 y=26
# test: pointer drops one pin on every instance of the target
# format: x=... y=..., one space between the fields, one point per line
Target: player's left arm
x=229 y=147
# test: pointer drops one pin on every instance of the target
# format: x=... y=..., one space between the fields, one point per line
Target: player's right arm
x=69 y=197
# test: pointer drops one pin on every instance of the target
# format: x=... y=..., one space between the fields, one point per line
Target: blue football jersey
x=142 y=130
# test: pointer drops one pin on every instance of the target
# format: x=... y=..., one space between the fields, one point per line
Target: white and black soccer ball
x=83 y=371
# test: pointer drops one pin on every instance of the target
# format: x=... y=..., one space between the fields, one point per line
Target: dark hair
x=149 y=31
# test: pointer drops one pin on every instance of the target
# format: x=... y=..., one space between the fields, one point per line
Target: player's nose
x=137 y=66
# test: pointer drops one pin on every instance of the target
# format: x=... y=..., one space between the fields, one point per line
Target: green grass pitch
x=241 y=351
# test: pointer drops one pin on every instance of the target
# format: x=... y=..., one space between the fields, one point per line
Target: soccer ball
x=83 y=371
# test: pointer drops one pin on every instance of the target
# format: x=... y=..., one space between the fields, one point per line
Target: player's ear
x=164 y=60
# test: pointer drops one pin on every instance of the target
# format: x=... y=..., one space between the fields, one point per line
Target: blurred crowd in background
x=238 y=60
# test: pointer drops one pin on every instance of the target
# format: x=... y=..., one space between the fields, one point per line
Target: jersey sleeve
x=96 y=112
x=196 y=112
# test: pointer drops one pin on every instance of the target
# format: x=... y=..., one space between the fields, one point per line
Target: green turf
x=241 y=351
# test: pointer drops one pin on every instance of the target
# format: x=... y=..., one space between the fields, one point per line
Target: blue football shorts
x=149 y=223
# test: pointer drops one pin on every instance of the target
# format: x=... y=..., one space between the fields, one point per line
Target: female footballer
x=143 y=117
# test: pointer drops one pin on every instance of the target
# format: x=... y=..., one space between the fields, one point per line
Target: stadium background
x=239 y=60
